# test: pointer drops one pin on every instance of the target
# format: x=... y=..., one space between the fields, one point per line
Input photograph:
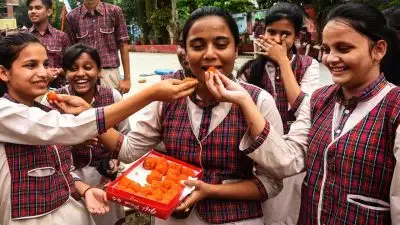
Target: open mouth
x=81 y=81
x=338 y=69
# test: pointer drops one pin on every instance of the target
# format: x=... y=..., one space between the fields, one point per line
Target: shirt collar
x=366 y=94
x=96 y=97
x=99 y=8
x=49 y=30
x=35 y=103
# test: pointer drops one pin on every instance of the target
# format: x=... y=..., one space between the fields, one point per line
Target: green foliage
x=159 y=20
x=55 y=18
x=21 y=15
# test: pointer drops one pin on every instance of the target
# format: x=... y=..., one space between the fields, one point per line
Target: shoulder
x=112 y=8
x=74 y=12
x=116 y=95
x=255 y=92
x=305 y=61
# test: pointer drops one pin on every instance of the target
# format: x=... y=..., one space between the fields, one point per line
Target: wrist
x=84 y=193
x=283 y=61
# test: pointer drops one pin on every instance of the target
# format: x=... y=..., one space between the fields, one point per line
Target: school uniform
x=349 y=150
x=36 y=184
x=86 y=160
x=284 y=208
x=210 y=138
x=104 y=31
x=55 y=42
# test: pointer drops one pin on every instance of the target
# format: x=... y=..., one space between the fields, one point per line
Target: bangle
x=87 y=189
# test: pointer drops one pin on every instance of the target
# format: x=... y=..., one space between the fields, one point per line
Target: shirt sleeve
x=124 y=126
x=395 y=186
x=21 y=124
x=65 y=42
x=69 y=30
x=283 y=156
x=145 y=134
x=310 y=81
x=121 y=28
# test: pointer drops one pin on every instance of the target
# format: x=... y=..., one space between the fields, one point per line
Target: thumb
x=192 y=183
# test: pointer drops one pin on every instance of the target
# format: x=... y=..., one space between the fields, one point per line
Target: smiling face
x=38 y=12
x=27 y=78
x=276 y=30
x=83 y=74
x=352 y=58
x=210 y=43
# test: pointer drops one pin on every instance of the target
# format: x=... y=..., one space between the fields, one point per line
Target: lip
x=40 y=83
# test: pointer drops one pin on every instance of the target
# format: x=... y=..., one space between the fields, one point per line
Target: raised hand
x=224 y=89
x=273 y=50
x=173 y=89
x=70 y=104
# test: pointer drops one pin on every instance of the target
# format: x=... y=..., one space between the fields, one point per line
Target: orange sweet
x=124 y=182
x=154 y=175
x=52 y=96
x=175 y=167
x=149 y=163
x=156 y=184
x=162 y=168
x=167 y=183
x=187 y=171
x=212 y=69
x=173 y=172
x=146 y=190
x=135 y=187
x=161 y=160
x=183 y=177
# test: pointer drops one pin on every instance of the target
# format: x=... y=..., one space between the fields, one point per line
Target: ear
x=49 y=12
x=379 y=50
x=4 y=74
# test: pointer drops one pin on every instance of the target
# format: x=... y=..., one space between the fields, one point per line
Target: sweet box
x=153 y=184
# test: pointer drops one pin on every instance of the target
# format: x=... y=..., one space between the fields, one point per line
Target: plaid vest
x=299 y=67
x=83 y=157
x=33 y=196
x=217 y=153
x=360 y=162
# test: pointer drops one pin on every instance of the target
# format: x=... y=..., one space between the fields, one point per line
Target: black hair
x=75 y=51
x=371 y=23
x=279 y=11
x=10 y=47
x=210 y=11
x=47 y=3
x=392 y=15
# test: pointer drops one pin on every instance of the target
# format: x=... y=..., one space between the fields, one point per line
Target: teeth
x=81 y=81
x=338 y=69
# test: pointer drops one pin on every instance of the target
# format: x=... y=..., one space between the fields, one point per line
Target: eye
x=46 y=64
x=221 y=45
x=88 y=67
x=271 y=32
x=30 y=65
x=325 y=50
x=73 y=69
x=344 y=49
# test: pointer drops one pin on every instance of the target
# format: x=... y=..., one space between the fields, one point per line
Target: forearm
x=244 y=190
x=292 y=88
x=110 y=139
x=81 y=187
x=119 y=111
x=254 y=118
x=124 y=48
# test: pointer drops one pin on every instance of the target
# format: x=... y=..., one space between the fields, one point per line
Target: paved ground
x=146 y=63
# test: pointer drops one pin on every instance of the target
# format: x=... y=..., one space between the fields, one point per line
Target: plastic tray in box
x=140 y=203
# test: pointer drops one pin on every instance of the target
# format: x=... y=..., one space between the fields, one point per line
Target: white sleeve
x=395 y=186
x=283 y=156
x=310 y=81
x=21 y=124
x=145 y=134
x=124 y=126
x=267 y=107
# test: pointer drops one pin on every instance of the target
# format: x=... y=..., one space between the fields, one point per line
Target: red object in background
x=140 y=203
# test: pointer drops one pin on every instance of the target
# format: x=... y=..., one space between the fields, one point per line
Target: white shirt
x=146 y=132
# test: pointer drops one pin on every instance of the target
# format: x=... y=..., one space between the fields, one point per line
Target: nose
x=42 y=71
x=330 y=58
x=210 y=53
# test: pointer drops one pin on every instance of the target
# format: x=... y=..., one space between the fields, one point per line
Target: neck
x=42 y=27
x=91 y=5
x=28 y=101
x=355 y=90
x=206 y=97
x=88 y=96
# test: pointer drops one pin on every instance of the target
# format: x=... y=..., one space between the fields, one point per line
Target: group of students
x=274 y=148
